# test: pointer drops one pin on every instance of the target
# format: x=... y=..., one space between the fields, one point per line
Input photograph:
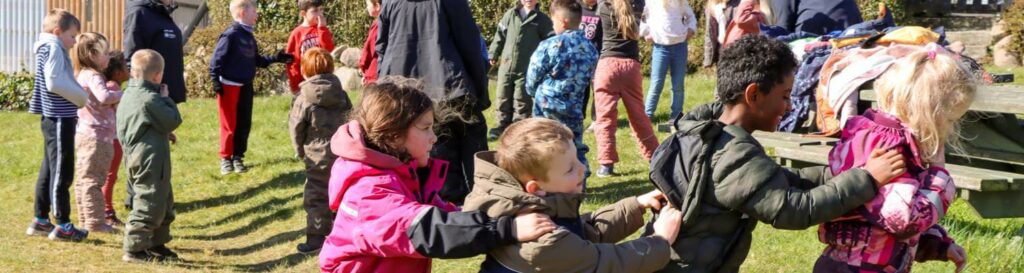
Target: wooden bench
x=993 y=98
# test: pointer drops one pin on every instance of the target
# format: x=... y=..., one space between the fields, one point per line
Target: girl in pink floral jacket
x=920 y=99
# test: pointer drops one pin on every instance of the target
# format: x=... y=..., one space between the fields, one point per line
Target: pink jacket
x=883 y=235
x=376 y=197
x=97 y=118
x=747 y=19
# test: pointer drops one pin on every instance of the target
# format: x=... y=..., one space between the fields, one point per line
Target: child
x=669 y=24
x=618 y=76
x=591 y=26
x=94 y=139
x=535 y=167
x=311 y=33
x=116 y=74
x=321 y=107
x=754 y=78
x=560 y=72
x=145 y=119
x=232 y=69
x=717 y=16
x=921 y=98
x=519 y=32
x=746 y=19
x=56 y=96
x=368 y=60
x=385 y=185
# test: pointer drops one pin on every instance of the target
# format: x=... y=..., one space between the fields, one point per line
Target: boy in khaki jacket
x=535 y=168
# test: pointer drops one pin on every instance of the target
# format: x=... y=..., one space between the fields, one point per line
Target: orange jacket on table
x=302 y=39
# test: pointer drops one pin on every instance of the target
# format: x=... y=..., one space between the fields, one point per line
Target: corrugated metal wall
x=20 y=24
x=103 y=16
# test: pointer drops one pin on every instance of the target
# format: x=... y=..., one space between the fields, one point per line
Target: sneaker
x=104 y=228
x=606 y=171
x=239 y=165
x=39 y=229
x=226 y=167
x=113 y=221
x=313 y=244
x=141 y=257
x=494 y=134
x=70 y=234
x=163 y=252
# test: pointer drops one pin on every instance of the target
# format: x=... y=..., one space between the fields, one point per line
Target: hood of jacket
x=349 y=143
x=324 y=90
x=156 y=5
x=497 y=192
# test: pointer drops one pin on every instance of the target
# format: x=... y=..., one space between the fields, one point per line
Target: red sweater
x=302 y=39
x=368 y=60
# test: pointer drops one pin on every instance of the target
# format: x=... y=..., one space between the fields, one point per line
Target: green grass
x=252 y=222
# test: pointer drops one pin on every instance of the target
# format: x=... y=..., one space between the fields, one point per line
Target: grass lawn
x=252 y=222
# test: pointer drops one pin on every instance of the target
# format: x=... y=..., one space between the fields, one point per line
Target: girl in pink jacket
x=384 y=188
x=921 y=98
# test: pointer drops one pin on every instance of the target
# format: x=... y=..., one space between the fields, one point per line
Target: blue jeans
x=665 y=58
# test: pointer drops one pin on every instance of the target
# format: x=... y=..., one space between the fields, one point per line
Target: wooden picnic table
x=1007 y=99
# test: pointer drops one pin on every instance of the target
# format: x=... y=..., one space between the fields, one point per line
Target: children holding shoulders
x=921 y=100
x=535 y=167
x=232 y=70
x=321 y=107
x=146 y=117
x=368 y=58
x=56 y=96
x=754 y=78
x=560 y=71
x=94 y=138
x=519 y=32
x=384 y=187
x=311 y=33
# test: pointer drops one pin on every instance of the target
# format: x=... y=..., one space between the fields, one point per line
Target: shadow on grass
x=276 y=161
x=285 y=180
x=281 y=214
x=268 y=243
x=614 y=191
x=286 y=261
x=269 y=204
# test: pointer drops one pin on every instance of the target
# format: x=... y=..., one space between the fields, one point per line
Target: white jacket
x=667 y=22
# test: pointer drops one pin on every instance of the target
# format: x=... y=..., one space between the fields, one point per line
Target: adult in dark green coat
x=519 y=32
x=146 y=117
x=724 y=182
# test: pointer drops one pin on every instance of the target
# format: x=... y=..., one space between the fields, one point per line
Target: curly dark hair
x=753 y=59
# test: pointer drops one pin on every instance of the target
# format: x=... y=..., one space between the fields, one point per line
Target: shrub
x=15 y=90
x=1014 y=18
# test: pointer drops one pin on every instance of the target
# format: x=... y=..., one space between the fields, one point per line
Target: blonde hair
x=626 y=19
x=60 y=18
x=527 y=147
x=316 y=61
x=240 y=5
x=928 y=91
x=146 y=63
x=89 y=46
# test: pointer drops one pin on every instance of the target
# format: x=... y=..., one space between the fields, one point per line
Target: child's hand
x=320 y=22
x=651 y=200
x=173 y=138
x=885 y=165
x=668 y=223
x=530 y=226
x=493 y=62
x=958 y=256
x=163 y=90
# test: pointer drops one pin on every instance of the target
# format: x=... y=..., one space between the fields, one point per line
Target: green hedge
x=15 y=90
x=1014 y=18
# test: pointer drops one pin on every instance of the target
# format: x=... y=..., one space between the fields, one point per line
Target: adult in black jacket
x=148 y=25
x=438 y=41
x=815 y=16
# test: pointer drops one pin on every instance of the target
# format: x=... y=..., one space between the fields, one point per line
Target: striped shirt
x=53 y=71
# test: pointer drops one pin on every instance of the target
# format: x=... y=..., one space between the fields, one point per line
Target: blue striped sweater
x=55 y=92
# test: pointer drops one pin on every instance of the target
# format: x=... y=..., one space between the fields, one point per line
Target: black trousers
x=57 y=169
x=457 y=142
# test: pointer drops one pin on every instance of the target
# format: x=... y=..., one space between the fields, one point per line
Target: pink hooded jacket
x=884 y=235
x=376 y=197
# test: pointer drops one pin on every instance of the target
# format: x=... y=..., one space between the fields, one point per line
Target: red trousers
x=235 y=109
x=108 y=186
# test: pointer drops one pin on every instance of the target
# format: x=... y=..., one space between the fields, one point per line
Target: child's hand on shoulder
x=651 y=200
x=668 y=223
x=163 y=90
x=884 y=166
x=529 y=226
